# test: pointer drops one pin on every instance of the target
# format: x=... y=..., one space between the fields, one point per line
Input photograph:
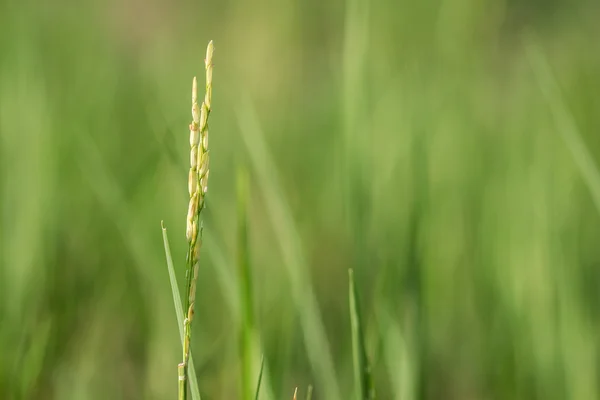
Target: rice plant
x=197 y=187
x=447 y=154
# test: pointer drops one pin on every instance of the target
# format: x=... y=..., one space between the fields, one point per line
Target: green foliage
x=451 y=163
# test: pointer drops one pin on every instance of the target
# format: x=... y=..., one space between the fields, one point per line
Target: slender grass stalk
x=260 y=374
x=179 y=311
x=309 y=392
x=245 y=287
x=289 y=243
x=295 y=394
x=197 y=186
x=356 y=147
x=362 y=371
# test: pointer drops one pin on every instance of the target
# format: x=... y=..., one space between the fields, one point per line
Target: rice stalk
x=179 y=310
x=197 y=187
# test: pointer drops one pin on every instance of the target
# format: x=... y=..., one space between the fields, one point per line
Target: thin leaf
x=179 y=311
x=245 y=289
x=362 y=371
x=260 y=374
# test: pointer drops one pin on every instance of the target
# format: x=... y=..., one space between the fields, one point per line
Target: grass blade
x=565 y=121
x=362 y=372
x=179 y=311
x=260 y=373
x=399 y=356
x=245 y=288
x=173 y=280
x=309 y=392
x=290 y=246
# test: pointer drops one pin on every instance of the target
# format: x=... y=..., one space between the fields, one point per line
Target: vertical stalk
x=245 y=286
x=197 y=186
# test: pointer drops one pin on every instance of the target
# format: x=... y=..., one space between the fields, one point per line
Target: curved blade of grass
x=362 y=372
x=290 y=246
x=260 y=373
x=179 y=311
x=564 y=120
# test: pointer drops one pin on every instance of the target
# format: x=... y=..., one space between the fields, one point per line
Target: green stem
x=183 y=367
x=193 y=383
x=245 y=286
x=182 y=382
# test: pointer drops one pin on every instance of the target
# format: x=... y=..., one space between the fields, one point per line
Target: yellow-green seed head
x=209 y=68
x=203 y=164
x=205 y=140
x=204 y=182
x=203 y=116
x=191 y=216
x=196 y=114
x=194 y=156
x=194 y=135
x=209 y=54
x=194 y=90
x=192 y=182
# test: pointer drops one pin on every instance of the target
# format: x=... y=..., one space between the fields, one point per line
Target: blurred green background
x=445 y=149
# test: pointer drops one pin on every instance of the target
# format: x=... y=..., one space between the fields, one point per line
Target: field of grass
x=445 y=150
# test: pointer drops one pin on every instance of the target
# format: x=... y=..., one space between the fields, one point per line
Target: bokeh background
x=447 y=150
